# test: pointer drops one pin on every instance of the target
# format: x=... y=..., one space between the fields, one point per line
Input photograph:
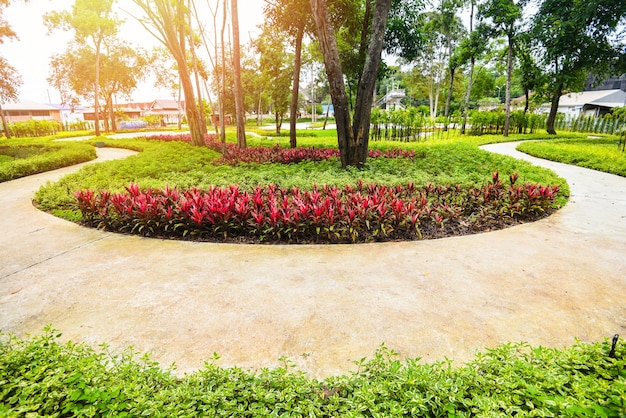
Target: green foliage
x=601 y=154
x=19 y=157
x=493 y=122
x=41 y=376
x=34 y=128
x=184 y=166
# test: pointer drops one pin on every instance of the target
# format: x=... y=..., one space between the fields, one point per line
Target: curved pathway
x=546 y=283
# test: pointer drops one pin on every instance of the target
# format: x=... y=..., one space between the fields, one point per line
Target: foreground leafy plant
x=43 y=377
x=358 y=213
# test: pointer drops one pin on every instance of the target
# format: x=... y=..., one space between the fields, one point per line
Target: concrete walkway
x=546 y=283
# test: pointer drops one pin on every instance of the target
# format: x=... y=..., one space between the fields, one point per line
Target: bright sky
x=30 y=55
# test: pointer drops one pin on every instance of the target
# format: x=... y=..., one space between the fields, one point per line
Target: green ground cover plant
x=41 y=376
x=178 y=165
x=22 y=157
x=601 y=154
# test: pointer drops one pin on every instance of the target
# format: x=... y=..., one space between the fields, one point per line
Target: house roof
x=27 y=105
x=606 y=98
x=165 y=104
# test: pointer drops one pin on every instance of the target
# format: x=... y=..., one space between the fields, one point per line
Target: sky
x=30 y=55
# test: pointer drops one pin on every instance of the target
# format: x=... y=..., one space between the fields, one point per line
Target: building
x=588 y=103
x=27 y=110
x=170 y=111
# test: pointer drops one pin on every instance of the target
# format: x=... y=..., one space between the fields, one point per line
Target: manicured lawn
x=596 y=153
x=26 y=156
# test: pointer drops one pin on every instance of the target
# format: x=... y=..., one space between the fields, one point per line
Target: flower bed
x=233 y=155
x=359 y=213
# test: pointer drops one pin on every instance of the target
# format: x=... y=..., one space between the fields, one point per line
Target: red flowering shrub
x=360 y=213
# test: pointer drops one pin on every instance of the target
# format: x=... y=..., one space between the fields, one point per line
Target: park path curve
x=546 y=283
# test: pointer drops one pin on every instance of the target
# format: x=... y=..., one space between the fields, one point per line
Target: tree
x=504 y=16
x=276 y=70
x=92 y=22
x=353 y=139
x=5 y=29
x=528 y=72
x=471 y=49
x=294 y=18
x=239 y=109
x=10 y=81
x=575 y=37
x=72 y=74
x=167 y=22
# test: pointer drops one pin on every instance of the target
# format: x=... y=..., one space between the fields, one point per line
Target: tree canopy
x=575 y=38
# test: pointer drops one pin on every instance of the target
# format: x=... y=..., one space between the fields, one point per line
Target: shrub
x=358 y=213
x=43 y=377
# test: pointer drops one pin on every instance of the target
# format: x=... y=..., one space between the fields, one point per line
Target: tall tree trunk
x=446 y=112
x=195 y=73
x=527 y=101
x=507 y=99
x=96 y=89
x=367 y=83
x=239 y=109
x=296 y=87
x=196 y=129
x=222 y=87
x=328 y=45
x=554 y=107
x=468 y=93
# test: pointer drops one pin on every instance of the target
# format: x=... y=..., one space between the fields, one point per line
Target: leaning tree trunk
x=554 y=107
x=328 y=45
x=296 y=88
x=367 y=83
x=239 y=110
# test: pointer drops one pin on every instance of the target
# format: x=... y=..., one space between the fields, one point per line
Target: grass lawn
x=26 y=156
x=588 y=151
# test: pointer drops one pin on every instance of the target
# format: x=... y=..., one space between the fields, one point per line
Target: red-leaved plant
x=233 y=155
x=355 y=213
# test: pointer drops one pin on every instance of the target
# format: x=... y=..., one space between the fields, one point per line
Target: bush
x=329 y=214
x=42 y=377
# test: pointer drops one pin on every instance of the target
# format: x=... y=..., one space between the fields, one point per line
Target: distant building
x=588 y=103
x=169 y=110
x=28 y=110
